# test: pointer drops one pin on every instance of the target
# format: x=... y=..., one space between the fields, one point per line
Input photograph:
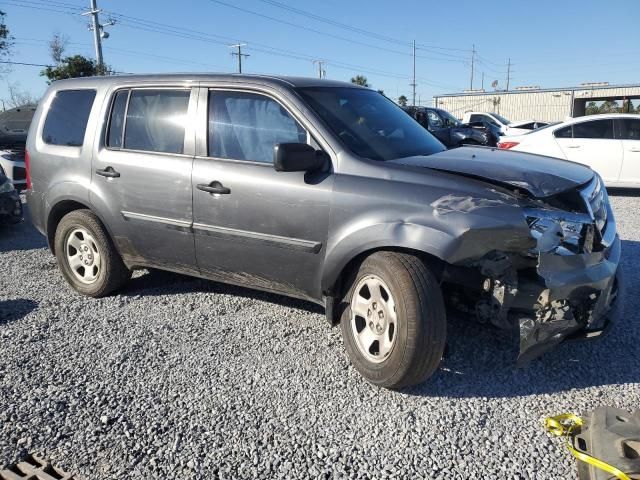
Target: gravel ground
x=182 y=378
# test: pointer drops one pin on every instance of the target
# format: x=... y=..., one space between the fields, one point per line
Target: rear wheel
x=394 y=328
x=86 y=256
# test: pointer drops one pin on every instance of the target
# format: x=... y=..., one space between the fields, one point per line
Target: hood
x=538 y=175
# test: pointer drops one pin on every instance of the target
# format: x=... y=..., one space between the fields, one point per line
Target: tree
x=6 y=40
x=591 y=108
x=18 y=97
x=402 y=101
x=76 y=66
x=360 y=80
x=57 y=46
x=381 y=92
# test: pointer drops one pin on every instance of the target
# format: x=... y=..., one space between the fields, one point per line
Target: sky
x=556 y=43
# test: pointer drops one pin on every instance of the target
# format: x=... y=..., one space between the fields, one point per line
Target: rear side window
x=630 y=128
x=156 y=120
x=116 y=122
x=598 y=129
x=563 y=132
x=67 y=117
x=246 y=126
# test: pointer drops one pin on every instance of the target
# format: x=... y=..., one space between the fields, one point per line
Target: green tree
x=6 y=40
x=402 y=101
x=360 y=80
x=73 y=67
x=591 y=108
x=609 y=106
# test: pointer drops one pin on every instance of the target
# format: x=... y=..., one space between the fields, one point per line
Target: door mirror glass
x=297 y=157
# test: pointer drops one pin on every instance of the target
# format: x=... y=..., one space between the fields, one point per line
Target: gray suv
x=324 y=191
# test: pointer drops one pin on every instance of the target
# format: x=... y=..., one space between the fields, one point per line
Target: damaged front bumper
x=574 y=297
x=10 y=208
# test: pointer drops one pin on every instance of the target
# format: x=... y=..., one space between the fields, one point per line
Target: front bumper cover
x=10 y=207
x=576 y=297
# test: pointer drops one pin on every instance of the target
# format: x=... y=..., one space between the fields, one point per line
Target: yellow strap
x=564 y=425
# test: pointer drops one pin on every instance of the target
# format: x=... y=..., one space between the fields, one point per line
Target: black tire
x=421 y=321
x=112 y=273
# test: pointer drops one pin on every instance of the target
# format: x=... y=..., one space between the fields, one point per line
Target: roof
x=540 y=90
x=274 y=80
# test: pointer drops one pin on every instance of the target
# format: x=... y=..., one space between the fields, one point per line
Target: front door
x=593 y=143
x=254 y=226
x=141 y=178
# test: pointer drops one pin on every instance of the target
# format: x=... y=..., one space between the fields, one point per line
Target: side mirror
x=297 y=157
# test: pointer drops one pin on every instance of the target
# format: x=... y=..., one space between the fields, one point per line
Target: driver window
x=247 y=126
x=434 y=119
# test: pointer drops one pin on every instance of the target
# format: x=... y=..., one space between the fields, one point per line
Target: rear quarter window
x=67 y=117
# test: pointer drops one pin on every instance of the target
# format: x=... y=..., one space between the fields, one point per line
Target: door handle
x=634 y=150
x=573 y=146
x=214 y=187
x=108 y=172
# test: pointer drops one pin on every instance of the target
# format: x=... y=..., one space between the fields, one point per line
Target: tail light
x=507 y=145
x=27 y=165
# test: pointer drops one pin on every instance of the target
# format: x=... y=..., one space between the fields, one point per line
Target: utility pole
x=98 y=33
x=473 y=59
x=239 y=54
x=508 y=73
x=321 y=71
x=413 y=84
x=97 y=30
x=482 y=84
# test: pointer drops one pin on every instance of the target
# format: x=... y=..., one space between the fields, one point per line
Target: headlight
x=7 y=186
x=564 y=233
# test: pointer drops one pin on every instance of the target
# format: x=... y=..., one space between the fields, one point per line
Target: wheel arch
x=430 y=245
x=61 y=208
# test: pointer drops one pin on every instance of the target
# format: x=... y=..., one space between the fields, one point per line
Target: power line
x=25 y=63
x=190 y=34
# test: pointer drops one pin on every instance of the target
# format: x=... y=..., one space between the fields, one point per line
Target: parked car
x=450 y=131
x=608 y=143
x=507 y=127
x=14 y=125
x=324 y=191
x=10 y=204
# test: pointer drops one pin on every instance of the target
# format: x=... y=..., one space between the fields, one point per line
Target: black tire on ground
x=112 y=274
x=421 y=321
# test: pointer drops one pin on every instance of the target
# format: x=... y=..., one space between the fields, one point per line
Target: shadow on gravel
x=481 y=360
x=159 y=282
x=623 y=192
x=11 y=310
x=22 y=236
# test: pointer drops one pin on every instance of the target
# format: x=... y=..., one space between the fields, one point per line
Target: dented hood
x=538 y=175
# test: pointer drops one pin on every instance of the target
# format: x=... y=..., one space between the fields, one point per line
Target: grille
x=19 y=173
x=595 y=197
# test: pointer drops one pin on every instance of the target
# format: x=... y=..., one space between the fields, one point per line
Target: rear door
x=593 y=143
x=141 y=178
x=259 y=227
x=630 y=135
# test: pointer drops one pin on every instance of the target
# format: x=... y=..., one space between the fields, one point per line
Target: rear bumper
x=577 y=297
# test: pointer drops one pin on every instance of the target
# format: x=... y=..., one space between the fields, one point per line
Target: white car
x=507 y=127
x=609 y=144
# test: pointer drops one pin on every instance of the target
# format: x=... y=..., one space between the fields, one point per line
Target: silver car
x=324 y=191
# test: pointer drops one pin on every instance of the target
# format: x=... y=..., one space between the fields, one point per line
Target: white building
x=549 y=104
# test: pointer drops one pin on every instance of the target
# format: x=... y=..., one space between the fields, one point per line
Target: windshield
x=502 y=120
x=449 y=119
x=369 y=124
x=553 y=124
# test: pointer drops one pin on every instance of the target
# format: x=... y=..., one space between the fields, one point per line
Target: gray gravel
x=181 y=378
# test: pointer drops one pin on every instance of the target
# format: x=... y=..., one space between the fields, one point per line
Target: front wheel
x=394 y=328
